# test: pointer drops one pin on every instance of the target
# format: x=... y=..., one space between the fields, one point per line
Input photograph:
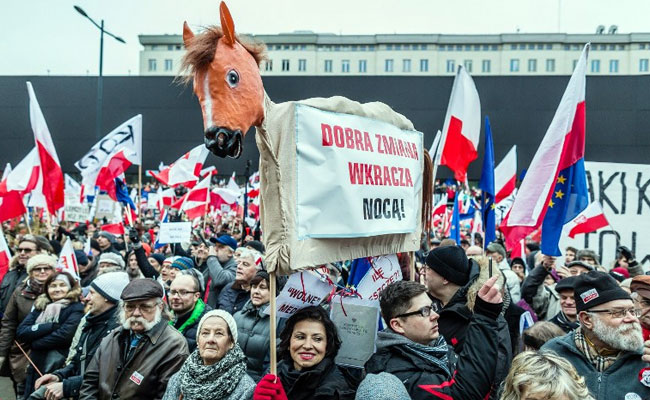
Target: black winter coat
x=10 y=282
x=231 y=299
x=325 y=381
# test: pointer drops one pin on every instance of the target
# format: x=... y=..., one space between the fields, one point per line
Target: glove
x=269 y=388
x=133 y=235
x=625 y=252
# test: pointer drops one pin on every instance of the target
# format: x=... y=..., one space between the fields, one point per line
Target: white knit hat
x=232 y=325
x=112 y=258
x=41 y=259
x=110 y=285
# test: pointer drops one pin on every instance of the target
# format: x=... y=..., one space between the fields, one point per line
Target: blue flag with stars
x=454 y=230
x=487 y=188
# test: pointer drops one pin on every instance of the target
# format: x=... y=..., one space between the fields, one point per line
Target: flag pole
x=139 y=189
x=412 y=265
x=272 y=326
x=29 y=226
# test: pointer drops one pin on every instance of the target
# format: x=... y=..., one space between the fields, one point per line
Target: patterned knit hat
x=182 y=263
x=232 y=325
x=110 y=285
x=382 y=386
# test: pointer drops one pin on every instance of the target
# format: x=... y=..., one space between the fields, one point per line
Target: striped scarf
x=600 y=362
x=435 y=354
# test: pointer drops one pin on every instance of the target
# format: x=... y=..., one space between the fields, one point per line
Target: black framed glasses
x=620 y=312
x=423 y=312
x=24 y=250
x=181 y=293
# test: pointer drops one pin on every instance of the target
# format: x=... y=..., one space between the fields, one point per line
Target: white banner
x=356 y=177
x=105 y=207
x=386 y=271
x=303 y=289
x=75 y=211
x=356 y=321
x=129 y=134
x=174 y=232
x=624 y=192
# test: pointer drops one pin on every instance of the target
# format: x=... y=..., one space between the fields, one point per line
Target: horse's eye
x=232 y=78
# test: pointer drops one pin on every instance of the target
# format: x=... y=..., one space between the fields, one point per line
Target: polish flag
x=5 y=256
x=223 y=196
x=232 y=184
x=114 y=166
x=115 y=229
x=20 y=181
x=195 y=203
x=165 y=198
x=212 y=170
x=505 y=175
x=462 y=126
x=590 y=220
x=530 y=206
x=441 y=206
x=5 y=172
x=53 y=184
x=184 y=171
x=68 y=260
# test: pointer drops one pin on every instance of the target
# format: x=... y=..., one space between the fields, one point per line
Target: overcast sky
x=48 y=36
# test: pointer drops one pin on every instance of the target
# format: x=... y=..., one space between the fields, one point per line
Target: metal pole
x=100 y=83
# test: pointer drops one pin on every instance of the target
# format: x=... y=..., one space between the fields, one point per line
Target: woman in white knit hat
x=217 y=368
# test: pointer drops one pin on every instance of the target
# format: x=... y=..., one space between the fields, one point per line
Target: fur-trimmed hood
x=43 y=300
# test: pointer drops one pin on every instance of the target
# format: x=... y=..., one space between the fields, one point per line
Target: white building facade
x=307 y=53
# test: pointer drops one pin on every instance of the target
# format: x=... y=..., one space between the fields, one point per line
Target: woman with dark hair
x=309 y=344
x=50 y=327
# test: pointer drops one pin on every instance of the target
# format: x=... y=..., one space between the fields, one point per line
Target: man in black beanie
x=449 y=270
x=606 y=348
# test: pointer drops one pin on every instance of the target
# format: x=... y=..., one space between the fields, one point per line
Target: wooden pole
x=412 y=264
x=48 y=223
x=29 y=226
x=139 y=210
x=273 y=322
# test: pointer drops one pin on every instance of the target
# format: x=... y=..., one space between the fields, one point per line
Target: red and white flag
x=589 y=220
x=114 y=166
x=116 y=228
x=5 y=256
x=5 y=172
x=221 y=198
x=184 y=171
x=53 y=184
x=20 y=181
x=165 y=198
x=462 y=128
x=68 y=260
x=505 y=175
x=441 y=205
x=195 y=203
x=232 y=184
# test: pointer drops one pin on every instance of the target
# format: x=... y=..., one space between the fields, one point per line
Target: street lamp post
x=100 y=78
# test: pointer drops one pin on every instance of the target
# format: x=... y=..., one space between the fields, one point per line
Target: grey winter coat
x=217 y=276
x=253 y=327
x=620 y=381
x=243 y=391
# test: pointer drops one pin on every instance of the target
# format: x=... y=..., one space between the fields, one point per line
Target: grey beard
x=126 y=322
x=626 y=337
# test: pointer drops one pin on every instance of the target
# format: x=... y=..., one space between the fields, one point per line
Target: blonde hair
x=543 y=373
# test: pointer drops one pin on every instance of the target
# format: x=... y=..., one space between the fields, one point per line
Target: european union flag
x=358 y=270
x=487 y=187
x=122 y=194
x=454 y=230
x=569 y=197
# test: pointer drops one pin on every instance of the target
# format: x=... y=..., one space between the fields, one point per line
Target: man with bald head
x=187 y=307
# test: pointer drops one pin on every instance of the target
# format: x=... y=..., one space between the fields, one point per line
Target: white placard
x=174 y=232
x=105 y=207
x=385 y=271
x=152 y=201
x=356 y=177
x=303 y=289
x=75 y=211
x=356 y=321
x=624 y=192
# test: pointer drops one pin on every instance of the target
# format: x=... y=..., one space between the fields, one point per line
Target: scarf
x=33 y=288
x=210 y=382
x=194 y=317
x=52 y=311
x=435 y=353
x=600 y=362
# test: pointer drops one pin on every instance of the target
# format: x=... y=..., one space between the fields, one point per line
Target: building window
x=168 y=65
x=451 y=66
x=532 y=65
x=345 y=66
x=550 y=65
x=154 y=47
x=152 y=64
x=468 y=65
x=268 y=65
x=302 y=65
x=514 y=65
x=398 y=47
x=363 y=66
x=595 y=66
x=424 y=65
x=406 y=65
x=328 y=65
x=388 y=65
x=549 y=47
x=643 y=65
x=170 y=47
x=613 y=66
x=285 y=65
x=389 y=47
x=485 y=66
x=178 y=47
x=531 y=46
x=642 y=46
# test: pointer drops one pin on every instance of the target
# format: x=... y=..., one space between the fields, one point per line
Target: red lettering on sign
x=338 y=136
x=349 y=138
x=327 y=134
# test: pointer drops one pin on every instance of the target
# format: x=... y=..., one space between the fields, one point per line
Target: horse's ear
x=187 y=34
x=226 y=24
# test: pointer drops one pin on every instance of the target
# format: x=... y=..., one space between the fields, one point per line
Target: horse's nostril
x=210 y=134
x=221 y=138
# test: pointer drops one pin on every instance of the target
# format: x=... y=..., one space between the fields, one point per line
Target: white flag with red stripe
x=114 y=166
x=165 y=198
x=505 y=175
x=5 y=256
x=589 y=220
x=184 y=171
x=441 y=205
x=20 y=181
x=462 y=127
x=68 y=260
x=195 y=203
x=53 y=185
x=223 y=196
x=232 y=184
x=5 y=172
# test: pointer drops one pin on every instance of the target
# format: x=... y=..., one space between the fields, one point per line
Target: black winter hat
x=595 y=288
x=451 y=263
x=567 y=283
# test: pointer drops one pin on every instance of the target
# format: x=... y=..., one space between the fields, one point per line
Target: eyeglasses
x=620 y=313
x=24 y=250
x=145 y=308
x=181 y=293
x=423 y=312
x=42 y=269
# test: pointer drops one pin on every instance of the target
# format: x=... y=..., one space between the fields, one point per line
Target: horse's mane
x=201 y=49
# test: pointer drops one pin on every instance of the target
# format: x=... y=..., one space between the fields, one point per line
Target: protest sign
x=75 y=211
x=385 y=270
x=624 y=193
x=356 y=321
x=357 y=176
x=303 y=289
x=105 y=207
x=174 y=232
x=152 y=201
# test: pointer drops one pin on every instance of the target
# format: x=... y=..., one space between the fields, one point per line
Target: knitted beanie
x=595 y=288
x=382 y=386
x=107 y=235
x=182 y=263
x=158 y=257
x=41 y=259
x=110 y=285
x=451 y=263
x=112 y=258
x=230 y=321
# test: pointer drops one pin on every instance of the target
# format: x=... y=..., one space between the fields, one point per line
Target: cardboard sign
x=357 y=177
x=174 y=232
x=303 y=289
x=75 y=211
x=356 y=321
x=385 y=271
x=105 y=207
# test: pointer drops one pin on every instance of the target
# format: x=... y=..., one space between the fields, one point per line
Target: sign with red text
x=303 y=289
x=385 y=270
x=356 y=176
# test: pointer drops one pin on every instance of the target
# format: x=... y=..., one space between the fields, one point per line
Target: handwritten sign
x=385 y=271
x=356 y=176
x=174 y=232
x=303 y=289
x=105 y=207
x=356 y=321
x=75 y=211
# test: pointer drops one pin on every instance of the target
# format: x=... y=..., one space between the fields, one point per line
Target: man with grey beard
x=607 y=347
x=136 y=360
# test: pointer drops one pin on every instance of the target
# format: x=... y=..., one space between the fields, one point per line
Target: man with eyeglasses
x=136 y=360
x=184 y=299
x=640 y=288
x=607 y=347
x=412 y=349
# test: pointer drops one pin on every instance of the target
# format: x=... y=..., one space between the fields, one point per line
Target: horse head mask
x=227 y=82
